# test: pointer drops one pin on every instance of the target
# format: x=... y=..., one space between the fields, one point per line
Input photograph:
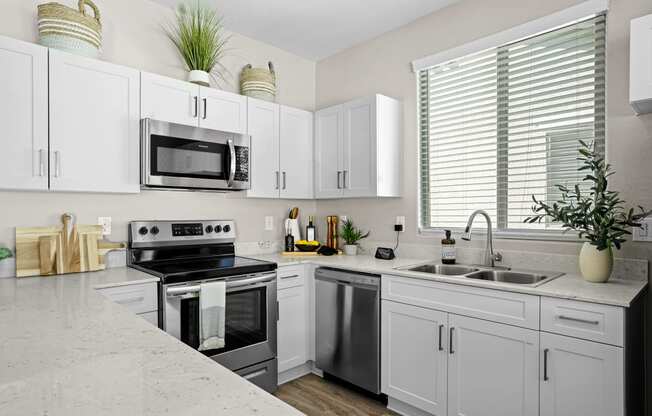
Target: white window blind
x=501 y=125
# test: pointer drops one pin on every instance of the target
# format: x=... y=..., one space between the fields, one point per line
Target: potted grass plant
x=198 y=35
x=595 y=212
x=351 y=236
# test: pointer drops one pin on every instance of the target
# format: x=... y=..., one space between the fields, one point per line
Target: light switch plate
x=343 y=218
x=645 y=233
x=105 y=222
x=269 y=223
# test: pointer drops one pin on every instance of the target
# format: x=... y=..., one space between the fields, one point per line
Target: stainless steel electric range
x=184 y=254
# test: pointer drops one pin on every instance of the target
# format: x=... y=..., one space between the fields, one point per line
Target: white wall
x=133 y=37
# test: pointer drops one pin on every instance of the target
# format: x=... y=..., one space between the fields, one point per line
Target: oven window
x=172 y=156
x=246 y=320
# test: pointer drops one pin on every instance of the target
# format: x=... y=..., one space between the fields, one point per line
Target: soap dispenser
x=448 y=253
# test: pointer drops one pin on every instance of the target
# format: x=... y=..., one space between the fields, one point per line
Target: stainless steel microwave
x=175 y=156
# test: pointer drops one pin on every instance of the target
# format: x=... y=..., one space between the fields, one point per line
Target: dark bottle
x=289 y=243
x=448 y=249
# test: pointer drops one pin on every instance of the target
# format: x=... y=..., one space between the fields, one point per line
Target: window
x=503 y=124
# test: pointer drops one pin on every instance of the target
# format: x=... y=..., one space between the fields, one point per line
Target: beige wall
x=383 y=65
x=132 y=37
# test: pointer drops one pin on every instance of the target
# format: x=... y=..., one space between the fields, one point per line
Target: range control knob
x=226 y=228
x=209 y=229
x=218 y=228
x=154 y=230
x=143 y=230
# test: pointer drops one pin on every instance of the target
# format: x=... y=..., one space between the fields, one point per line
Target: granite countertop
x=66 y=350
x=569 y=286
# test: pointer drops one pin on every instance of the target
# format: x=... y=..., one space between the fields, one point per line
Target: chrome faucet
x=490 y=258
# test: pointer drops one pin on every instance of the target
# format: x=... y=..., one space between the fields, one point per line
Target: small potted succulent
x=598 y=215
x=5 y=253
x=351 y=236
x=198 y=35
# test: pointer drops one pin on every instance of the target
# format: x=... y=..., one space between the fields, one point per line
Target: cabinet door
x=413 y=356
x=493 y=369
x=221 y=110
x=23 y=115
x=580 y=378
x=169 y=99
x=359 y=151
x=640 y=65
x=296 y=154
x=329 y=131
x=94 y=125
x=263 y=121
x=292 y=328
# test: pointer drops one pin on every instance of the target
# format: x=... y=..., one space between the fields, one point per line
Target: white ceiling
x=316 y=29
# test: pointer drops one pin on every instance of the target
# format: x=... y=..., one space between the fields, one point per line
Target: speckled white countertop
x=614 y=292
x=66 y=350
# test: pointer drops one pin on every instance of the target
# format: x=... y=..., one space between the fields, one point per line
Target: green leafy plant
x=198 y=35
x=352 y=234
x=5 y=253
x=598 y=215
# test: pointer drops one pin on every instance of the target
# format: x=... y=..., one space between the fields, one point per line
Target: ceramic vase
x=596 y=265
x=199 y=77
x=350 y=249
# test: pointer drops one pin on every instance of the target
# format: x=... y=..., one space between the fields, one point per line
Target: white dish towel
x=212 y=301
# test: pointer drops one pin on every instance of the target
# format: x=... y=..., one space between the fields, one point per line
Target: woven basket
x=71 y=30
x=258 y=82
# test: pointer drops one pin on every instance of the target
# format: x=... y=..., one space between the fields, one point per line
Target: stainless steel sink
x=443 y=269
x=515 y=277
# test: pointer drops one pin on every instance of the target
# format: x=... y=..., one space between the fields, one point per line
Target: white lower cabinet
x=580 y=378
x=414 y=355
x=292 y=338
x=493 y=369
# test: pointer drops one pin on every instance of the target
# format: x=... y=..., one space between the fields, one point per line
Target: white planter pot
x=200 y=78
x=350 y=250
x=596 y=265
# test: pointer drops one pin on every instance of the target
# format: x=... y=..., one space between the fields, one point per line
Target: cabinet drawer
x=290 y=276
x=595 y=322
x=138 y=298
x=493 y=305
x=151 y=317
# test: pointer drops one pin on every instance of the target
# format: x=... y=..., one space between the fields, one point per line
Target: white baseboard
x=404 y=409
x=294 y=373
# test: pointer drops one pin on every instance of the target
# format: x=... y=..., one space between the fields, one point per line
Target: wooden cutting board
x=69 y=248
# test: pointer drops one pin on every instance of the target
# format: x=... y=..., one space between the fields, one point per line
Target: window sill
x=571 y=237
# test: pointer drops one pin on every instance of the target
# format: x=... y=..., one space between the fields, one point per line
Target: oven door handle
x=186 y=290
x=231 y=162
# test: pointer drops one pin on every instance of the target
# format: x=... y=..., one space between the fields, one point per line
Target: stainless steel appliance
x=184 y=254
x=348 y=326
x=183 y=157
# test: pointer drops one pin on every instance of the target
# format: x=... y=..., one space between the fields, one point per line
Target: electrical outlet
x=400 y=220
x=269 y=223
x=644 y=233
x=105 y=222
x=343 y=218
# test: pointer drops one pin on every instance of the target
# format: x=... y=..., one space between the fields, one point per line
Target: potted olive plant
x=351 y=236
x=597 y=215
x=198 y=35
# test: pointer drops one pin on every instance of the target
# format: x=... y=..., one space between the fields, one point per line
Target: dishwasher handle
x=348 y=278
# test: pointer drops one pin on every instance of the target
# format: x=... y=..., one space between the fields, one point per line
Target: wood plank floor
x=315 y=396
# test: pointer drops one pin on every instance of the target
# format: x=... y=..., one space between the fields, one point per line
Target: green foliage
x=197 y=33
x=5 y=253
x=598 y=215
x=351 y=234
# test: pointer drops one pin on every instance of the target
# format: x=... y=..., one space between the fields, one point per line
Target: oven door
x=177 y=156
x=251 y=314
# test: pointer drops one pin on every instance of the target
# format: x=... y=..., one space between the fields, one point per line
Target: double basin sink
x=503 y=275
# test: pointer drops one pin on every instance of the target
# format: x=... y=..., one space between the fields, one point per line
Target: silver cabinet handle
x=339 y=178
x=584 y=321
x=450 y=341
x=205 y=108
x=196 y=106
x=232 y=164
x=545 y=364
x=41 y=162
x=441 y=329
x=278 y=180
x=284 y=180
x=289 y=276
x=130 y=300
x=344 y=172
x=57 y=163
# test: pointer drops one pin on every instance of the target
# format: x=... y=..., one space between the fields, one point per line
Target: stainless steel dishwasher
x=348 y=326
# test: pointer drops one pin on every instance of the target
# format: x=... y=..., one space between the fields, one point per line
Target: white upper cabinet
x=265 y=175
x=493 y=369
x=168 y=99
x=640 y=64
x=221 y=110
x=296 y=150
x=23 y=115
x=94 y=125
x=358 y=149
x=580 y=378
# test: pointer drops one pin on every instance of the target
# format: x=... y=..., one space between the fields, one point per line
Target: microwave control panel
x=242 y=164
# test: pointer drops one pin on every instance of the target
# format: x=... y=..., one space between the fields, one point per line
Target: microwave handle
x=231 y=163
